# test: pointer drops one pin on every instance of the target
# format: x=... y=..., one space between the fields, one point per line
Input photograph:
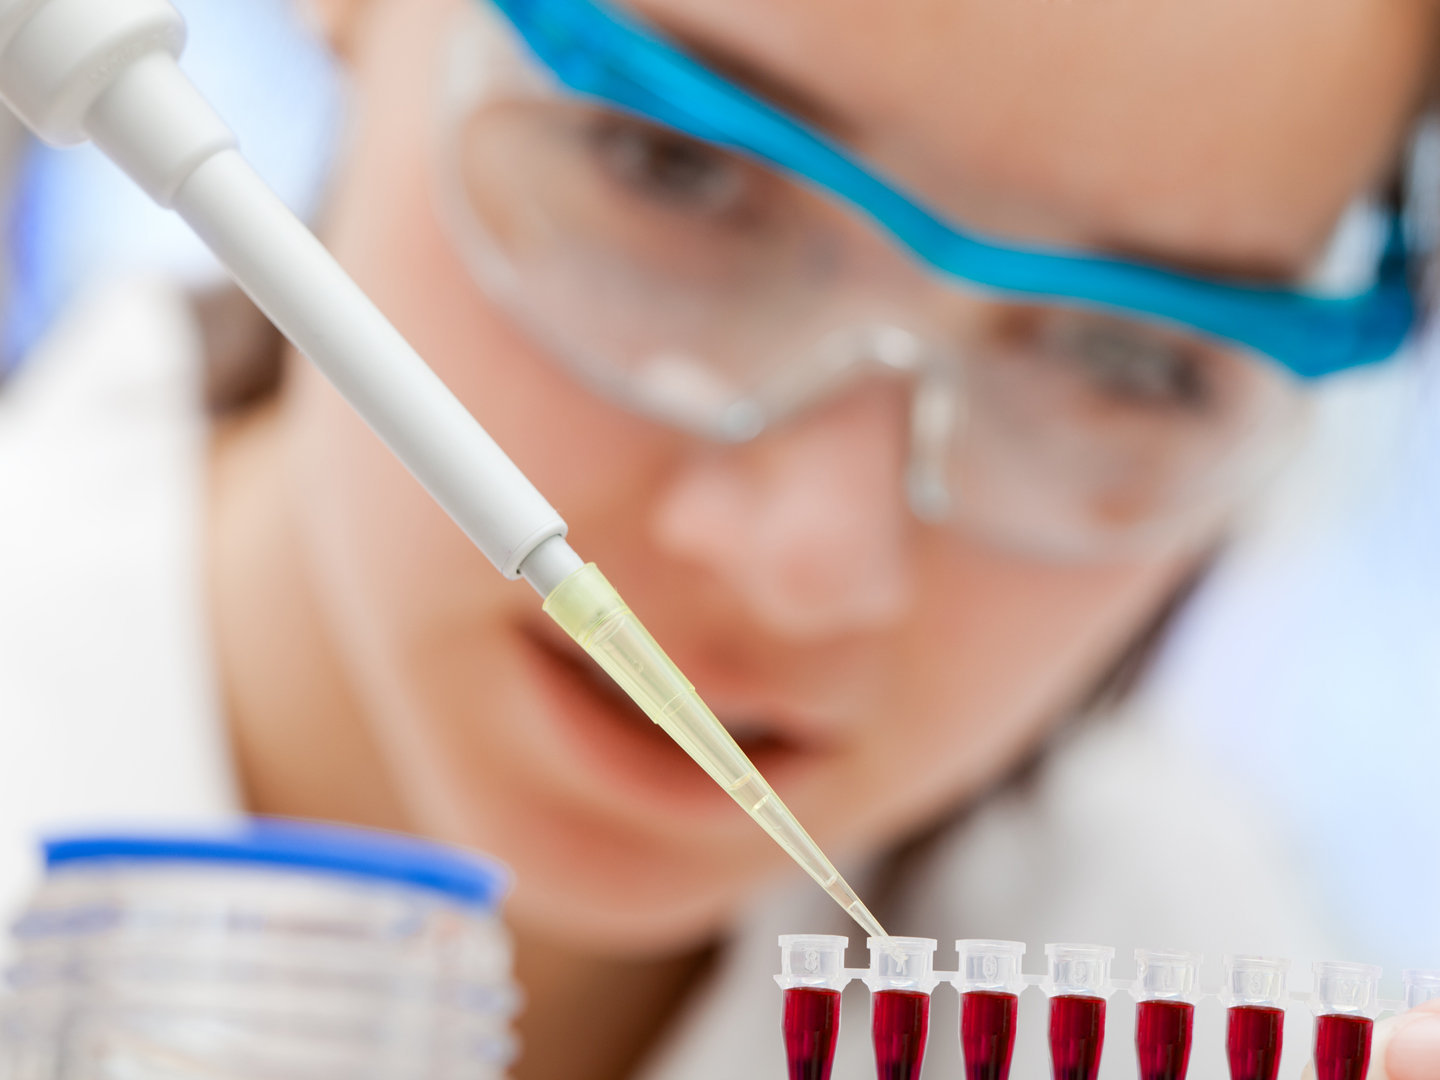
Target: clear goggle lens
x=700 y=288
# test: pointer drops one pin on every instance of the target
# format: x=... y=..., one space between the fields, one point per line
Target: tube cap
x=1421 y=985
x=813 y=960
x=1166 y=974
x=987 y=964
x=902 y=963
x=1348 y=989
x=1255 y=980
x=1078 y=969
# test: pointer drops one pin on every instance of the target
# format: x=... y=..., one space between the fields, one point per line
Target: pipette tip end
x=861 y=914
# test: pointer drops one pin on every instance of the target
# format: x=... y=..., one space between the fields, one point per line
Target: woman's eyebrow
x=763 y=82
x=1257 y=269
x=768 y=84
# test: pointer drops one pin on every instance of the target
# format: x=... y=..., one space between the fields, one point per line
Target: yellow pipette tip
x=593 y=613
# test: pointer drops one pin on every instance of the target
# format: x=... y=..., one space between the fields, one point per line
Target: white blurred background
x=1309 y=662
x=77 y=219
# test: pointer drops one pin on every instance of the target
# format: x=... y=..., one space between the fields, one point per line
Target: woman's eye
x=1129 y=362
x=662 y=165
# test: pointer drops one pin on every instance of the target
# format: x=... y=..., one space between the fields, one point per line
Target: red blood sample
x=1162 y=1038
x=1077 y=1033
x=1253 y=1037
x=987 y=1033
x=811 y=1026
x=900 y=1024
x=1342 y=1047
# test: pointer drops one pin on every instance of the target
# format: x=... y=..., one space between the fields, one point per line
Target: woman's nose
x=808 y=524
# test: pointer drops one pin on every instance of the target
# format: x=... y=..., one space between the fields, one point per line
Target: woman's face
x=877 y=669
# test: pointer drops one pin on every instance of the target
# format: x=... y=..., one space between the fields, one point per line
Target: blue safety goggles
x=599 y=52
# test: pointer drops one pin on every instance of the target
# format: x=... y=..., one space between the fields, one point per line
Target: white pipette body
x=106 y=70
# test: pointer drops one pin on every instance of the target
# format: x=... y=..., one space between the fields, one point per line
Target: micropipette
x=74 y=70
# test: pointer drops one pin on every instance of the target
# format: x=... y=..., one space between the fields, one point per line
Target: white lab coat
x=108 y=709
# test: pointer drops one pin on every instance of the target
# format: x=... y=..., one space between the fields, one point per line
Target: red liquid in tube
x=900 y=1024
x=811 y=1026
x=1342 y=1047
x=987 y=1033
x=1254 y=1035
x=1162 y=1038
x=1077 y=1034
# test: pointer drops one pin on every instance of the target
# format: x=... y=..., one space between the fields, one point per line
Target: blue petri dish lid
x=471 y=880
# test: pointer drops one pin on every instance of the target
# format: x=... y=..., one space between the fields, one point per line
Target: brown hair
x=244 y=353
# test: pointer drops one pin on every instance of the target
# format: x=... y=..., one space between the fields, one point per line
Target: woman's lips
x=615 y=739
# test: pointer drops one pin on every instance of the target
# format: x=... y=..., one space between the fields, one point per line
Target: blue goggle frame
x=602 y=53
